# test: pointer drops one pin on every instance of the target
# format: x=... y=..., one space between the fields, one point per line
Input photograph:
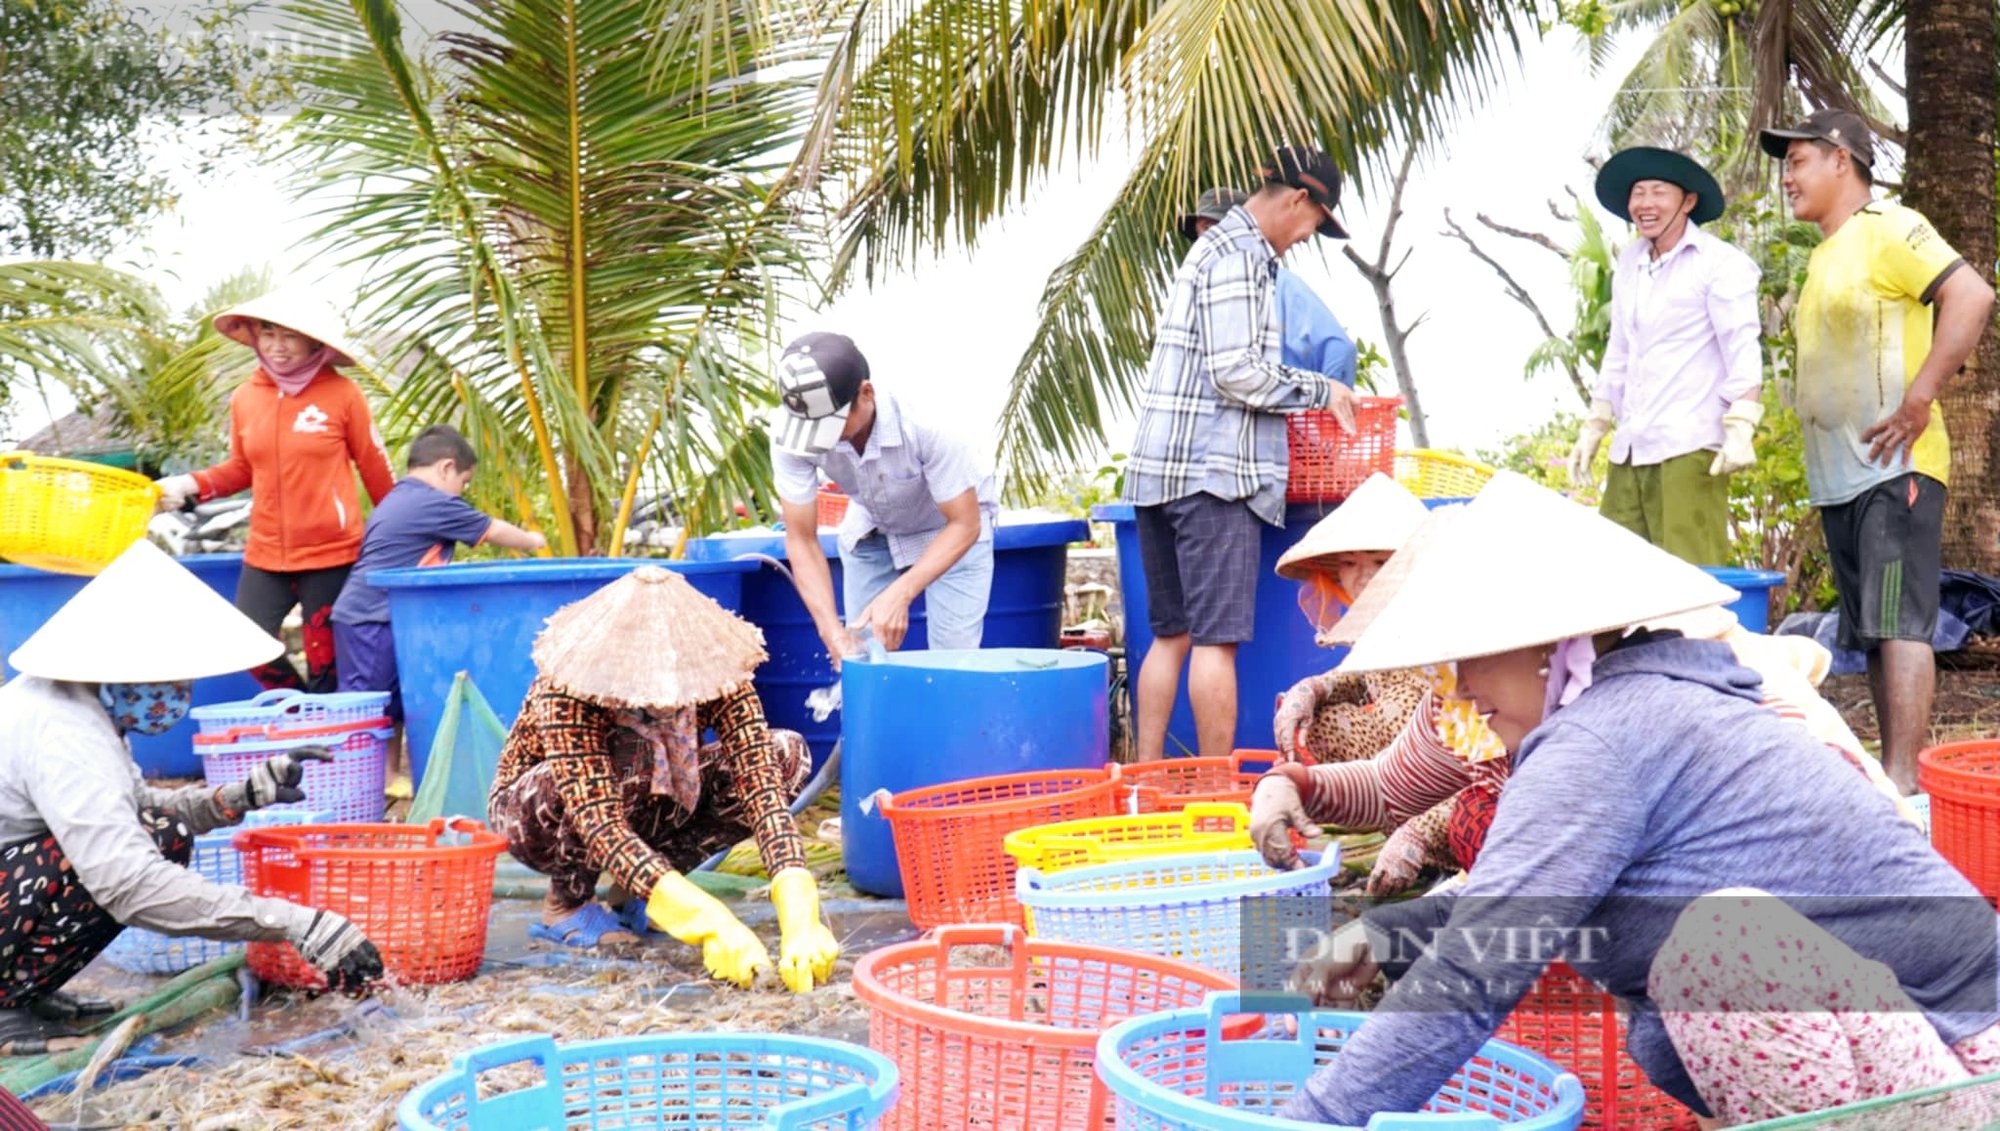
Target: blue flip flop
x=583 y=928
x=632 y=917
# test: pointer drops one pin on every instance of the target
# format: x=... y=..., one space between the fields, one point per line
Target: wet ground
x=291 y=1059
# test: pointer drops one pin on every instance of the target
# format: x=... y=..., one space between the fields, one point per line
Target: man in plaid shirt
x=1210 y=462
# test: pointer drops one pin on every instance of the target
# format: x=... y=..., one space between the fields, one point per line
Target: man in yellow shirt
x=1888 y=313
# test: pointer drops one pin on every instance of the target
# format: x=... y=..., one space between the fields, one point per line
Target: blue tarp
x=1968 y=605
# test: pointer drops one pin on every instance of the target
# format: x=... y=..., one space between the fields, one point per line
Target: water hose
x=207 y=987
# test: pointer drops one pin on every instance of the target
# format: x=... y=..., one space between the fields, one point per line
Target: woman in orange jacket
x=298 y=433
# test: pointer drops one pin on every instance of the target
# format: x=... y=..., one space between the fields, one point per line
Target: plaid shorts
x=1200 y=557
x=1887 y=557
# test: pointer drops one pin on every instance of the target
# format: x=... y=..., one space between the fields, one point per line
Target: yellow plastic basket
x=1202 y=826
x=1431 y=474
x=67 y=516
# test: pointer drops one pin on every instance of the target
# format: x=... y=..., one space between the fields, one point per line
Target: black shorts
x=1200 y=556
x=1886 y=546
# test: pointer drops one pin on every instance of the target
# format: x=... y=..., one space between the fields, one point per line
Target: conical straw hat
x=145 y=619
x=1520 y=566
x=295 y=310
x=1380 y=515
x=648 y=640
x=1375 y=597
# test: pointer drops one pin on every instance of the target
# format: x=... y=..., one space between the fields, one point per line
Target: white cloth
x=65 y=771
x=1685 y=344
x=894 y=486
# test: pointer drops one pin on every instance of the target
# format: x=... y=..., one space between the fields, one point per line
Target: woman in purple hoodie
x=1784 y=940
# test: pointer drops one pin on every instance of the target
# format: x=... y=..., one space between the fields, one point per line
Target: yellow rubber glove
x=730 y=950
x=806 y=948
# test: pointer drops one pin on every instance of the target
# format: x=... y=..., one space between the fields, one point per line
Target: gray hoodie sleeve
x=83 y=789
x=1567 y=823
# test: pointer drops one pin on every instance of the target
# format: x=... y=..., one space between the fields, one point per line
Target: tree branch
x=1515 y=290
x=1535 y=238
x=1380 y=277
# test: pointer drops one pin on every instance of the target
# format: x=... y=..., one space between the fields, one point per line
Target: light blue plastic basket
x=1198 y=907
x=285 y=707
x=141 y=951
x=735 y=1081
x=1173 y=1071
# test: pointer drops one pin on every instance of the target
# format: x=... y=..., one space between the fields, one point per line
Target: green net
x=463 y=757
x=1970 y=1105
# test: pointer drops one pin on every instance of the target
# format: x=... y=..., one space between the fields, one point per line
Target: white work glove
x=176 y=490
x=1276 y=810
x=1739 y=433
x=1595 y=427
x=337 y=948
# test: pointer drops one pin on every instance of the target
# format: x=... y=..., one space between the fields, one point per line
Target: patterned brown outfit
x=573 y=794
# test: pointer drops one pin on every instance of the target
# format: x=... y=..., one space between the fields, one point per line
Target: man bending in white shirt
x=1683 y=366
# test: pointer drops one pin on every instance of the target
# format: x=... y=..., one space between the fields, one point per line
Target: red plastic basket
x=420 y=893
x=1328 y=463
x=832 y=506
x=1006 y=1036
x=1569 y=1020
x=950 y=838
x=1963 y=779
x=349 y=788
x=1175 y=783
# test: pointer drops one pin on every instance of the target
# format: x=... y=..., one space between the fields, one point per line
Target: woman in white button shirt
x=1683 y=366
x=920 y=512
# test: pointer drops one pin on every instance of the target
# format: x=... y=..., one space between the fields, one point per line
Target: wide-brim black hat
x=1628 y=167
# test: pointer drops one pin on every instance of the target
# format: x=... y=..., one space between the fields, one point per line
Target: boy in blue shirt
x=418 y=523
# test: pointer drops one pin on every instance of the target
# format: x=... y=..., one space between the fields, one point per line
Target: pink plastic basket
x=284 y=707
x=349 y=788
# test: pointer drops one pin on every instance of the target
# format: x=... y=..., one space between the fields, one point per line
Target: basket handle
x=540 y=1105
x=16 y=459
x=275 y=695
x=982 y=934
x=1258 y=757
x=1198 y=811
x=441 y=827
x=236 y=734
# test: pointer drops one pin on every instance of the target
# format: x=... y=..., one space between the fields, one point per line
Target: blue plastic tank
x=1281 y=653
x=482 y=618
x=29 y=597
x=1753 y=608
x=1025 y=611
x=914 y=719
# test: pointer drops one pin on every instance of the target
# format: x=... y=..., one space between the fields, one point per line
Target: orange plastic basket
x=1569 y=1020
x=1198 y=827
x=1175 y=783
x=832 y=506
x=1005 y=1036
x=1963 y=779
x=1327 y=463
x=68 y=516
x=420 y=893
x=950 y=838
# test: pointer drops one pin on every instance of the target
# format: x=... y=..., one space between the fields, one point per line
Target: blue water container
x=1281 y=653
x=1753 y=609
x=914 y=719
x=1025 y=611
x=29 y=597
x=482 y=618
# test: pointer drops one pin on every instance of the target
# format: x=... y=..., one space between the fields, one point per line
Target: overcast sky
x=947 y=333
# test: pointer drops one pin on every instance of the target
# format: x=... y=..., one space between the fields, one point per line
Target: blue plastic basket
x=1174 y=1071
x=695 y=1080
x=285 y=707
x=141 y=951
x=1198 y=907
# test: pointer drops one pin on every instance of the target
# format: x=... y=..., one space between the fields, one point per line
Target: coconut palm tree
x=572 y=243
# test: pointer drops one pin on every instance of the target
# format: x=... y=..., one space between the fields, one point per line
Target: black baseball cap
x=819 y=376
x=1843 y=128
x=1313 y=171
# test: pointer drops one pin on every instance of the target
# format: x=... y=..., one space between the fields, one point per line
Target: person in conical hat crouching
x=606 y=773
x=1684 y=362
x=299 y=431
x=1753 y=901
x=87 y=848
